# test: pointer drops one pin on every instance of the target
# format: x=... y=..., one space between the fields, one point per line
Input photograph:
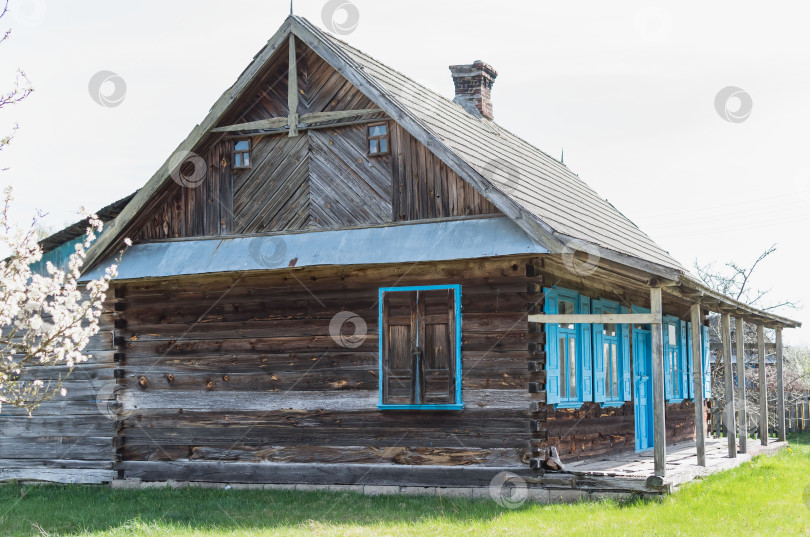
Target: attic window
x=378 y=140
x=241 y=154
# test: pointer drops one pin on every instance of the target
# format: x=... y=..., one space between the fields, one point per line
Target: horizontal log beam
x=273 y=123
x=320 y=474
x=608 y=318
x=304 y=120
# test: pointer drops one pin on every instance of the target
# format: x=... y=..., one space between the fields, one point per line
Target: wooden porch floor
x=681 y=461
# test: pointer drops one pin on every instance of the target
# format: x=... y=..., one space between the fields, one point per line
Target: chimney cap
x=478 y=67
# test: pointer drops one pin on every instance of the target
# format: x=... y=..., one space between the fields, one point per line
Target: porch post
x=697 y=380
x=763 y=387
x=741 y=385
x=731 y=427
x=780 y=387
x=659 y=405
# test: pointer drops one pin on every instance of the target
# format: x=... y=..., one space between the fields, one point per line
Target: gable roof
x=540 y=194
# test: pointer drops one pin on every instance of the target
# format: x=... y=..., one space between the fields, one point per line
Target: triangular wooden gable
x=429 y=181
x=321 y=179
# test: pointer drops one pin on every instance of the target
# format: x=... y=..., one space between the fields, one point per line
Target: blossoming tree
x=45 y=320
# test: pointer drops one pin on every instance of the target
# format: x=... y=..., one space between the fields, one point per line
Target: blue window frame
x=420 y=348
x=676 y=368
x=611 y=352
x=569 y=368
x=707 y=374
x=690 y=384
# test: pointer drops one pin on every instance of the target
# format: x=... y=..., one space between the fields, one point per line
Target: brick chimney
x=473 y=87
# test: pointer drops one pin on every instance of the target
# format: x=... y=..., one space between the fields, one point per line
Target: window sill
x=612 y=404
x=572 y=404
x=421 y=407
x=673 y=401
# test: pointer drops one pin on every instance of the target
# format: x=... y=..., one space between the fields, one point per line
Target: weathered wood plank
x=780 y=388
x=763 y=387
x=728 y=373
x=741 y=396
x=659 y=404
x=58 y=475
x=697 y=384
x=349 y=474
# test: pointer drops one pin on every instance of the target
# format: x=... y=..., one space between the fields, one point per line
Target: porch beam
x=607 y=318
x=743 y=432
x=780 y=387
x=697 y=383
x=728 y=373
x=763 y=388
x=659 y=404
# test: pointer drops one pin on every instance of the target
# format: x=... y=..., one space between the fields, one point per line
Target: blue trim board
x=456 y=288
x=421 y=407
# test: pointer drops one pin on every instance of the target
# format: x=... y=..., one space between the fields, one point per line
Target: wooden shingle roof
x=542 y=185
x=78 y=229
x=539 y=193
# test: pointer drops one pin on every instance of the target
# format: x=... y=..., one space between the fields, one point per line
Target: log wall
x=69 y=439
x=244 y=369
x=594 y=431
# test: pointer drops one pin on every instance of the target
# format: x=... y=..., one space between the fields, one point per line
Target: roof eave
x=701 y=292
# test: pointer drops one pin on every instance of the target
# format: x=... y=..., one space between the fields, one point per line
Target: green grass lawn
x=764 y=497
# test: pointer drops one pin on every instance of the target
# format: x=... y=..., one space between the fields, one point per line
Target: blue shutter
x=683 y=356
x=586 y=365
x=667 y=369
x=552 y=352
x=625 y=349
x=689 y=355
x=707 y=370
x=598 y=357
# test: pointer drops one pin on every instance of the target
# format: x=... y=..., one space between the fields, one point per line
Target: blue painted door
x=642 y=381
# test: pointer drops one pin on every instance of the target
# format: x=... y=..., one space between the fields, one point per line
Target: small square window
x=378 y=140
x=241 y=154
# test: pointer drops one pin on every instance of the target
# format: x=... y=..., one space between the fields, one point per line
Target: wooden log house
x=341 y=277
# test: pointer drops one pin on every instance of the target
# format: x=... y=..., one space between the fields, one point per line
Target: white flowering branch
x=45 y=321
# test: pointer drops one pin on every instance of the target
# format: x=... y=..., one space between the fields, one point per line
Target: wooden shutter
x=627 y=376
x=689 y=361
x=399 y=333
x=586 y=365
x=707 y=368
x=598 y=357
x=552 y=351
x=683 y=357
x=436 y=318
x=668 y=382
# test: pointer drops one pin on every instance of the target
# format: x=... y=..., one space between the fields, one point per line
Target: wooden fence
x=797 y=416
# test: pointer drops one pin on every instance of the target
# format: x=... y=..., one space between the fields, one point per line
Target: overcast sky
x=628 y=89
